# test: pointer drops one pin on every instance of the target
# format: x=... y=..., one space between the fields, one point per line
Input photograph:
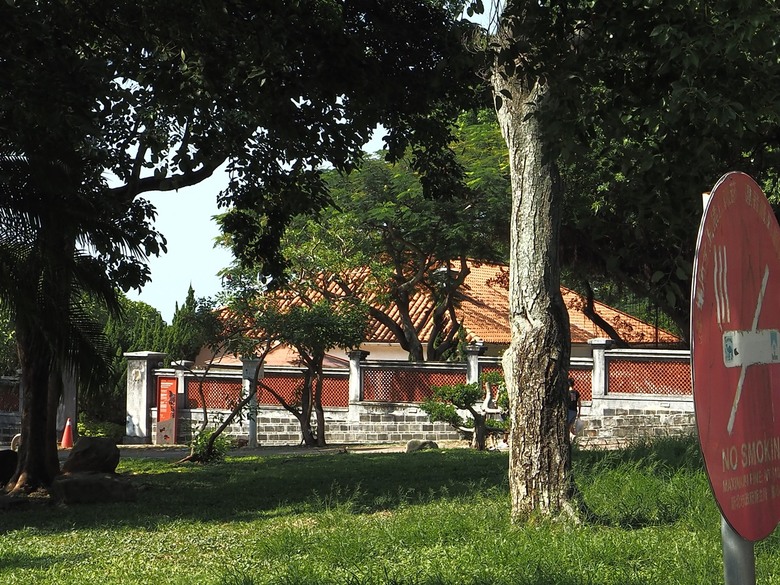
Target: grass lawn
x=434 y=517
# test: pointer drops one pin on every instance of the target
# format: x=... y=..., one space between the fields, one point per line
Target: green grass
x=433 y=517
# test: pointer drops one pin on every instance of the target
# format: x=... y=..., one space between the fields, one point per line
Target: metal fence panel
x=633 y=376
x=395 y=384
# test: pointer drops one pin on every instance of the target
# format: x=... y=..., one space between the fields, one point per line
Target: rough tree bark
x=536 y=363
x=38 y=463
x=319 y=411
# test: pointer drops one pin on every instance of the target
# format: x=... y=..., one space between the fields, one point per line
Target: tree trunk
x=38 y=461
x=536 y=363
x=319 y=411
x=413 y=343
x=306 y=407
x=480 y=431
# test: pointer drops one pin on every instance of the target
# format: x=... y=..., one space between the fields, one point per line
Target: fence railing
x=222 y=391
x=661 y=373
x=10 y=395
x=407 y=382
x=645 y=373
x=613 y=380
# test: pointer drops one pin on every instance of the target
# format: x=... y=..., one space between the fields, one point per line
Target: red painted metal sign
x=735 y=353
x=166 y=400
x=167 y=419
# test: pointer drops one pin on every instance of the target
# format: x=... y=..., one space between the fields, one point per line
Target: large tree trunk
x=536 y=363
x=38 y=461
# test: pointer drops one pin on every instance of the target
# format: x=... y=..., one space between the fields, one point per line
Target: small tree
x=313 y=330
x=252 y=326
x=448 y=400
x=222 y=332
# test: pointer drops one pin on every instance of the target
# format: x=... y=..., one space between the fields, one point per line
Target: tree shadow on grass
x=29 y=560
x=650 y=483
x=245 y=488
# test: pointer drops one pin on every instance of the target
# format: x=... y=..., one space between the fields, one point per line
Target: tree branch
x=590 y=312
x=170 y=183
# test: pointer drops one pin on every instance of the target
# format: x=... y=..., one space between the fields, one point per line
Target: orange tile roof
x=484 y=311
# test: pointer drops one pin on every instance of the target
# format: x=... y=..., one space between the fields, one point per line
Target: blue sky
x=184 y=217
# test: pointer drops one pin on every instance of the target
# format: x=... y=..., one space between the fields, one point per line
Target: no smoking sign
x=735 y=353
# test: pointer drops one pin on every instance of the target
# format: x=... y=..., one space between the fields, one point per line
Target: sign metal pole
x=739 y=559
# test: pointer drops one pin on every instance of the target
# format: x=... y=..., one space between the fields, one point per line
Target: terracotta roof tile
x=484 y=311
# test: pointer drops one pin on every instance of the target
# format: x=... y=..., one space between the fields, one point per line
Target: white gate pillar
x=141 y=389
x=599 y=374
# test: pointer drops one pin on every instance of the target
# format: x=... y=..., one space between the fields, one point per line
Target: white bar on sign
x=745 y=348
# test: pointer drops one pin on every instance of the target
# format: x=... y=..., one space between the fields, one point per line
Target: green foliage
x=9 y=355
x=88 y=428
x=448 y=399
x=195 y=325
x=159 y=107
x=383 y=220
x=442 y=412
x=317 y=328
x=460 y=395
x=632 y=101
x=219 y=448
x=138 y=327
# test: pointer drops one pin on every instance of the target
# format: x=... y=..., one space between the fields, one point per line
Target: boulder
x=91 y=488
x=418 y=445
x=92 y=454
x=9 y=459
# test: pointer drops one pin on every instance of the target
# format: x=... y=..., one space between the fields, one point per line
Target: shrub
x=448 y=400
x=219 y=449
x=88 y=428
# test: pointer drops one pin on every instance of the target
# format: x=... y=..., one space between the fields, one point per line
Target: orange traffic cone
x=67 y=435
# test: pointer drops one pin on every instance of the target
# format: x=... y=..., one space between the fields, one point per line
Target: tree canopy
x=106 y=102
x=385 y=240
x=652 y=106
x=642 y=106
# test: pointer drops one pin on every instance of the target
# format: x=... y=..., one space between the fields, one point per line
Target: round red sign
x=735 y=353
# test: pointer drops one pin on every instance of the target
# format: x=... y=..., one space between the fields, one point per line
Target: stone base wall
x=390 y=424
x=372 y=423
x=10 y=425
x=622 y=426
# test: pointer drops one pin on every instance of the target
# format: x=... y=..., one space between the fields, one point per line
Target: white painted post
x=473 y=351
x=141 y=389
x=355 y=382
x=599 y=374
